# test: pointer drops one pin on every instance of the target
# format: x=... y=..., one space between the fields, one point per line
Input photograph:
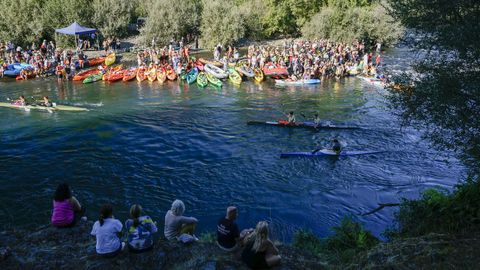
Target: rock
x=4 y=253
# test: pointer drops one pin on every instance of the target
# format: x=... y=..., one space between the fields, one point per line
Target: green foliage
x=105 y=10
x=20 y=22
x=440 y=212
x=347 y=241
x=368 y=23
x=222 y=22
x=166 y=20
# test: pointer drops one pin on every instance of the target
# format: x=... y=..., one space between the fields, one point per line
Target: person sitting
x=140 y=229
x=176 y=224
x=107 y=230
x=21 y=101
x=228 y=235
x=316 y=120
x=259 y=251
x=66 y=208
x=291 y=118
x=336 y=146
x=46 y=102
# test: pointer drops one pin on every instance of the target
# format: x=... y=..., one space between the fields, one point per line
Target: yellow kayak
x=110 y=60
x=259 y=77
x=234 y=76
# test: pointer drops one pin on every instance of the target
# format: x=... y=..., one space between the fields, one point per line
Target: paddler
x=291 y=118
x=46 y=102
x=336 y=146
x=316 y=120
x=20 y=101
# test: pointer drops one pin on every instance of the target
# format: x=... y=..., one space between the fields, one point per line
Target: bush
x=439 y=212
x=347 y=241
x=105 y=10
x=369 y=23
x=222 y=22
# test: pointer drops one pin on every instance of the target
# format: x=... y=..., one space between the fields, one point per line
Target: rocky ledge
x=74 y=248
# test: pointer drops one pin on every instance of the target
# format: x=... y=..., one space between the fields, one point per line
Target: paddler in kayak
x=46 y=102
x=336 y=146
x=316 y=120
x=291 y=118
x=21 y=101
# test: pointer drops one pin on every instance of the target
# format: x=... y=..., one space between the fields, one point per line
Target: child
x=107 y=230
x=140 y=229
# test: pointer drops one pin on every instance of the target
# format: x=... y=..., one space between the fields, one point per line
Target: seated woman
x=259 y=251
x=66 y=208
x=139 y=229
x=107 y=230
x=176 y=224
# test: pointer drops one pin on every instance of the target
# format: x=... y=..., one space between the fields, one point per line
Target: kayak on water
x=213 y=80
x=215 y=71
x=298 y=82
x=93 y=78
x=38 y=107
x=234 y=76
x=202 y=80
x=259 y=77
x=309 y=125
x=192 y=75
x=328 y=152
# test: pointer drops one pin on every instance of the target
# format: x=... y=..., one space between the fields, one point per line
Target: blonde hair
x=259 y=236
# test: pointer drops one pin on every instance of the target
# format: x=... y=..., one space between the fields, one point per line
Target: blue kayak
x=298 y=82
x=13 y=70
x=192 y=76
x=328 y=152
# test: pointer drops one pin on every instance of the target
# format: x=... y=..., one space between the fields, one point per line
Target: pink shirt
x=63 y=213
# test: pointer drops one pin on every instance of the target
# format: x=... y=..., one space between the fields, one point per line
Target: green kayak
x=202 y=80
x=213 y=80
x=93 y=78
x=37 y=107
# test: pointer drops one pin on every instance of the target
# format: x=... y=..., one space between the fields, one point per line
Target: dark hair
x=291 y=112
x=135 y=212
x=62 y=193
x=105 y=212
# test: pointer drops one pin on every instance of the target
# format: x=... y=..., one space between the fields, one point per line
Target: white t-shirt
x=107 y=239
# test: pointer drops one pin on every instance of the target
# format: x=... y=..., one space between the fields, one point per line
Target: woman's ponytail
x=135 y=213
x=105 y=212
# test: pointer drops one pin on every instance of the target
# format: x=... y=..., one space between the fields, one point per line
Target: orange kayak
x=152 y=74
x=161 y=75
x=129 y=75
x=115 y=76
x=141 y=75
x=171 y=75
x=83 y=75
x=96 y=61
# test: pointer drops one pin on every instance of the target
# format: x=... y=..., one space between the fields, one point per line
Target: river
x=150 y=144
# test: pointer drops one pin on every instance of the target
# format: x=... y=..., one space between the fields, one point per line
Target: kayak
x=259 y=77
x=110 y=60
x=213 y=80
x=93 y=78
x=309 y=125
x=115 y=76
x=96 y=61
x=234 y=76
x=271 y=69
x=13 y=70
x=37 y=107
x=161 y=75
x=141 y=75
x=83 y=75
x=152 y=74
x=129 y=75
x=192 y=76
x=213 y=63
x=373 y=80
x=202 y=80
x=328 y=152
x=298 y=82
x=246 y=71
x=171 y=75
x=215 y=71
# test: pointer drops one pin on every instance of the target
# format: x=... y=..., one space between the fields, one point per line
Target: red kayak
x=271 y=69
x=171 y=75
x=129 y=75
x=115 y=76
x=83 y=75
x=96 y=61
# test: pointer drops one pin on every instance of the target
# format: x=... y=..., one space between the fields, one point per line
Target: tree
x=222 y=22
x=166 y=20
x=111 y=17
x=20 y=23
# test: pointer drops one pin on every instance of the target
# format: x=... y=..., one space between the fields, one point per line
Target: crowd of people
x=136 y=234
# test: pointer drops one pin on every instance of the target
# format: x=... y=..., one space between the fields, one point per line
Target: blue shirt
x=140 y=237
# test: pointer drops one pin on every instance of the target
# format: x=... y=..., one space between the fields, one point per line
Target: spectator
x=228 y=234
x=140 y=229
x=259 y=251
x=107 y=231
x=176 y=224
x=66 y=208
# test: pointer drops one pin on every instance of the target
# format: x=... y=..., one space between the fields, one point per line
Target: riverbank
x=74 y=248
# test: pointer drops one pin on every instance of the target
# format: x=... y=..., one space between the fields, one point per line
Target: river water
x=150 y=144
